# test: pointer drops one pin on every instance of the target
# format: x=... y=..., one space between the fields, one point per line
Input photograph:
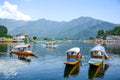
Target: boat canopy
x=75 y=49
x=98 y=48
x=22 y=46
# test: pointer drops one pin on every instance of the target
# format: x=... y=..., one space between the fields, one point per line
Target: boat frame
x=22 y=50
x=97 y=55
x=72 y=56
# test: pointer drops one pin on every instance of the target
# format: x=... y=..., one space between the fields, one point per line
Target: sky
x=60 y=10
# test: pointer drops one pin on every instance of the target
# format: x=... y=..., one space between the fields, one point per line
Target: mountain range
x=80 y=28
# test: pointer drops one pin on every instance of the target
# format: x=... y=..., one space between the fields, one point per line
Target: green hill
x=80 y=28
x=115 y=31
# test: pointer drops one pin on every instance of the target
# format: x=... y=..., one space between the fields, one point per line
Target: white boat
x=98 y=55
x=73 y=56
x=22 y=50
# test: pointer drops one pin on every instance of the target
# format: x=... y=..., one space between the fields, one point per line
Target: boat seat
x=72 y=60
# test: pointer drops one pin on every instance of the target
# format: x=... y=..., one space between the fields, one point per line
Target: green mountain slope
x=80 y=28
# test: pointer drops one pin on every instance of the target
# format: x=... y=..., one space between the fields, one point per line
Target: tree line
x=101 y=34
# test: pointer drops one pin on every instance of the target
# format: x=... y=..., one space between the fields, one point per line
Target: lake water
x=50 y=64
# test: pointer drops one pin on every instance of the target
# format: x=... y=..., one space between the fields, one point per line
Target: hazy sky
x=60 y=10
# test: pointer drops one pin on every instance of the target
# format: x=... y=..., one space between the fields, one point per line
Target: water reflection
x=3 y=47
x=10 y=67
x=24 y=59
x=97 y=71
x=3 y=50
x=50 y=63
x=71 y=70
x=113 y=46
x=50 y=48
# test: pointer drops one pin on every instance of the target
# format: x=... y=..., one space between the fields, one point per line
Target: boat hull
x=26 y=54
x=72 y=63
x=95 y=62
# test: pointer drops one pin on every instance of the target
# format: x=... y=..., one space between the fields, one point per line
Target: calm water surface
x=50 y=64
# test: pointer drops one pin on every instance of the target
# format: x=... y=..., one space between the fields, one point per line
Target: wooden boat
x=22 y=50
x=97 y=71
x=98 y=55
x=73 y=56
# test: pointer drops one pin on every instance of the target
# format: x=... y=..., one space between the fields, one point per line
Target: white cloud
x=11 y=11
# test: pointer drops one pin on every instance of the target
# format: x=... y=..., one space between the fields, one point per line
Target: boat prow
x=95 y=61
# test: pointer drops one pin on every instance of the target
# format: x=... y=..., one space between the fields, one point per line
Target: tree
x=117 y=30
x=34 y=37
x=100 y=33
x=3 y=29
x=91 y=38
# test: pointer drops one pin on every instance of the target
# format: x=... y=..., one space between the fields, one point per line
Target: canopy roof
x=98 y=48
x=75 y=49
x=22 y=46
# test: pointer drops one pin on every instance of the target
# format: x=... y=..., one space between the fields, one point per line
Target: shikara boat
x=98 y=55
x=73 y=56
x=22 y=50
x=50 y=44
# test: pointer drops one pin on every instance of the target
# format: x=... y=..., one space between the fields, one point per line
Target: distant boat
x=50 y=44
x=73 y=56
x=98 y=55
x=22 y=50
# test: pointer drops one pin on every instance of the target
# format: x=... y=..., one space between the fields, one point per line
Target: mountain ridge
x=73 y=29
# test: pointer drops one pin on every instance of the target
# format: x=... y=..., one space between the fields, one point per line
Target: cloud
x=11 y=11
x=26 y=0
